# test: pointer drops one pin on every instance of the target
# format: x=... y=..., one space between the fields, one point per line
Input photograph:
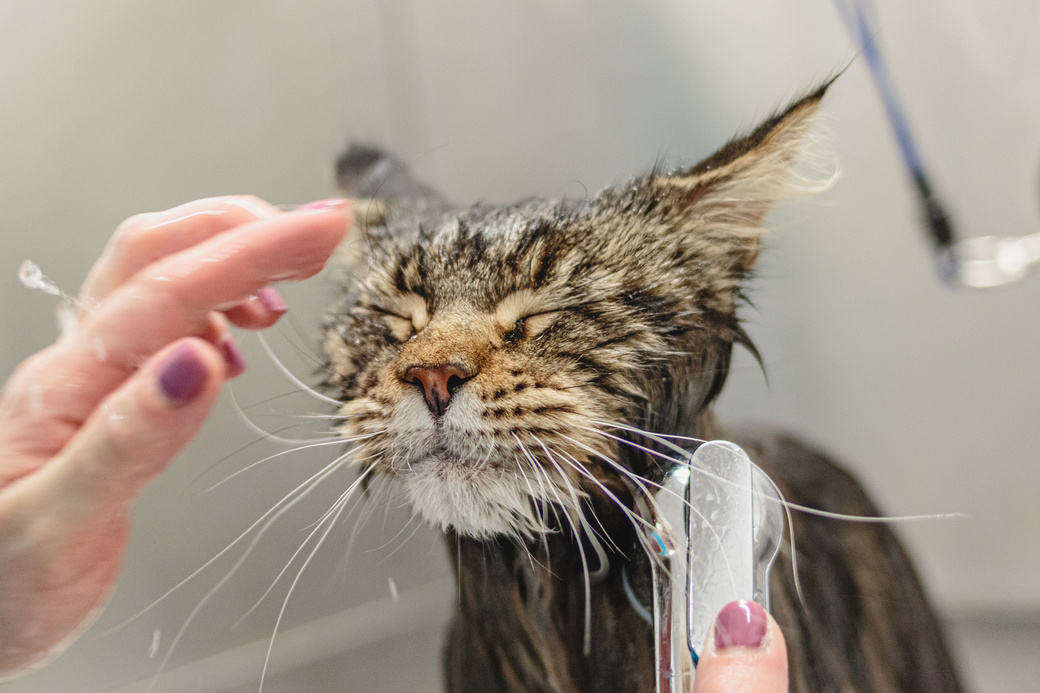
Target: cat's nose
x=438 y=384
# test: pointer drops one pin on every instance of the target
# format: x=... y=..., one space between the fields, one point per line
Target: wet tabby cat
x=502 y=365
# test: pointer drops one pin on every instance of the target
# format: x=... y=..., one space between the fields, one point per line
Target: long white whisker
x=634 y=429
x=323 y=417
x=597 y=547
x=685 y=453
x=367 y=508
x=296 y=336
x=869 y=519
x=552 y=486
x=577 y=466
x=274 y=513
x=267 y=434
x=793 y=506
x=587 y=643
x=534 y=466
x=601 y=554
x=790 y=540
x=365 y=472
x=542 y=497
x=342 y=502
x=546 y=505
x=323 y=473
x=285 y=452
x=414 y=524
x=289 y=374
x=391 y=540
x=530 y=490
x=632 y=476
x=342 y=499
x=487 y=457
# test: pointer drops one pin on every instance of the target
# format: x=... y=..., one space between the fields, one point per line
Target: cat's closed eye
x=524 y=315
x=536 y=323
x=405 y=315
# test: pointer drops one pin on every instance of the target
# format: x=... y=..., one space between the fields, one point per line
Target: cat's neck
x=525 y=611
x=547 y=614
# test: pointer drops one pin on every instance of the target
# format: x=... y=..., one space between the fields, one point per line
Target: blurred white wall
x=113 y=107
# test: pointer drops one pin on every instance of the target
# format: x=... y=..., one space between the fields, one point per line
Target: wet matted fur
x=510 y=366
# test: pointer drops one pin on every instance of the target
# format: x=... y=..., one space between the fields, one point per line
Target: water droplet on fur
x=154 y=647
x=394 y=596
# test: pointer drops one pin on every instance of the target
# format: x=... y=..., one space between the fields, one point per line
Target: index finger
x=170 y=299
x=146 y=238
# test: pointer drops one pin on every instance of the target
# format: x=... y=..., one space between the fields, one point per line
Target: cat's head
x=494 y=359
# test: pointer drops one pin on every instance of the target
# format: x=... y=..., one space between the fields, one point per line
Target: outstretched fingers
x=88 y=422
x=179 y=295
x=176 y=296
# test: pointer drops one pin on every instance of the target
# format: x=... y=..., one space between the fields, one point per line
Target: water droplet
x=31 y=276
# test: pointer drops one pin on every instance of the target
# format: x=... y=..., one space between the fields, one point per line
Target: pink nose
x=438 y=384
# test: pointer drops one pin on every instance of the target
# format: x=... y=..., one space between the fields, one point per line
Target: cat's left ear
x=727 y=195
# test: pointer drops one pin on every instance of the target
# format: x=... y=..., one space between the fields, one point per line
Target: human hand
x=744 y=653
x=86 y=423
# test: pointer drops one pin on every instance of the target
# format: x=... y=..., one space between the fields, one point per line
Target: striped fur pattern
x=501 y=363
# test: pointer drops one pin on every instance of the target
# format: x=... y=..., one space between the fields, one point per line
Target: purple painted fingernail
x=232 y=356
x=740 y=624
x=271 y=300
x=183 y=376
x=323 y=205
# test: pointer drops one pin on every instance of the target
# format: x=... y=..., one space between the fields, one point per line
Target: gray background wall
x=113 y=107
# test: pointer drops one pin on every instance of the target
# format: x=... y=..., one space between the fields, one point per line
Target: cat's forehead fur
x=558 y=253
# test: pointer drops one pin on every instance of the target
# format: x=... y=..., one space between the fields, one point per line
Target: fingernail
x=271 y=300
x=183 y=376
x=323 y=205
x=740 y=624
x=232 y=356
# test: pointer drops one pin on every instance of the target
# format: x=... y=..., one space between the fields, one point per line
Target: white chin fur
x=477 y=503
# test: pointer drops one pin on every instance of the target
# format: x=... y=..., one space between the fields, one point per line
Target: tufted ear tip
x=781 y=135
x=728 y=194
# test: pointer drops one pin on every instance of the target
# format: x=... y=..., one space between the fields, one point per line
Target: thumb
x=744 y=652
